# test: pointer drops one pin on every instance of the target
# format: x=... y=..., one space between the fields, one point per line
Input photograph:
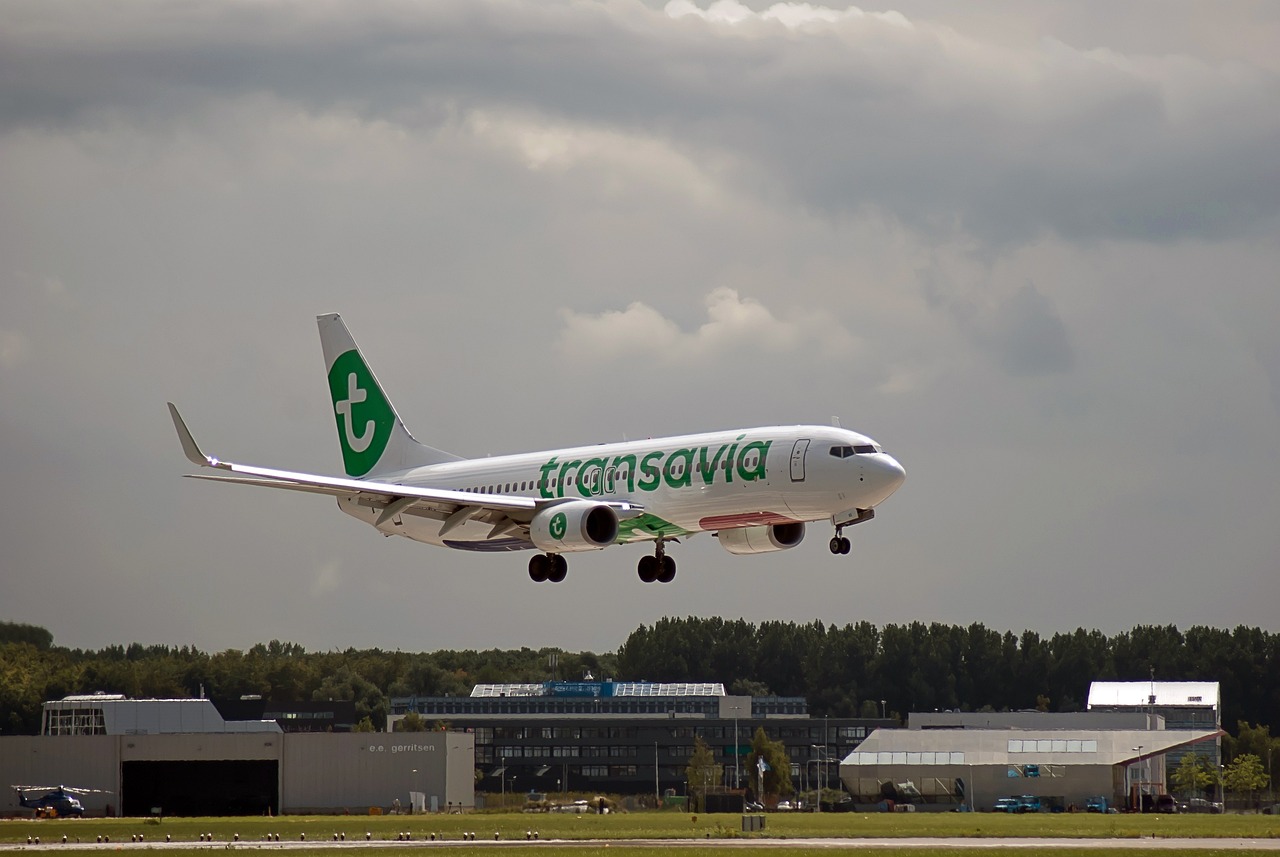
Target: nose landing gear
x=659 y=567
x=839 y=544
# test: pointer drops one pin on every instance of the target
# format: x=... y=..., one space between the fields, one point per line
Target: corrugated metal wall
x=318 y=771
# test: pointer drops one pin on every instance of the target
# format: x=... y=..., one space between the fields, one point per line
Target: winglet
x=189 y=448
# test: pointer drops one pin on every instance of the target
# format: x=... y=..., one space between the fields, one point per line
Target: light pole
x=415 y=789
x=736 y=709
x=502 y=772
x=819 y=775
x=1139 y=751
x=882 y=713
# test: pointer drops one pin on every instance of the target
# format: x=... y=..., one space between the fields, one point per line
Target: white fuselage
x=687 y=484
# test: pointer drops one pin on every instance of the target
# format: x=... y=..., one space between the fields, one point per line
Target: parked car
x=1199 y=804
x=1095 y=803
x=784 y=806
x=1006 y=804
x=1029 y=803
x=1165 y=803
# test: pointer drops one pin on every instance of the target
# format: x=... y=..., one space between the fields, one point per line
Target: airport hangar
x=945 y=760
x=180 y=757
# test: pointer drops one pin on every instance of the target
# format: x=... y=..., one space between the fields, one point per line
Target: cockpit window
x=847 y=451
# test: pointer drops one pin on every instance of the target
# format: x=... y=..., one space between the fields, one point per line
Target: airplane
x=58 y=802
x=754 y=489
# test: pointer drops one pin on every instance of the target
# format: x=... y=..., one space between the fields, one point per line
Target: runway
x=958 y=843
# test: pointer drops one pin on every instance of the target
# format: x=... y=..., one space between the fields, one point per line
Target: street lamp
x=820 y=762
x=414 y=771
x=1138 y=749
x=882 y=714
x=736 y=709
x=502 y=772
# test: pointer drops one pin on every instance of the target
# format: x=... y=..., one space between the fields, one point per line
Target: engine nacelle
x=766 y=539
x=578 y=525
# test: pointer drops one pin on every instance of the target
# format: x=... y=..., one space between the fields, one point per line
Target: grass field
x=652 y=825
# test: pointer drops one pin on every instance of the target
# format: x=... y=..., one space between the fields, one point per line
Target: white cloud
x=735 y=326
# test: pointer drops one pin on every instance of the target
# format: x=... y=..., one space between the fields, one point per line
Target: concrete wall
x=80 y=761
x=360 y=770
x=318 y=771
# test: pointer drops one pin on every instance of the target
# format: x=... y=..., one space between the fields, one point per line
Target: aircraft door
x=797 y=459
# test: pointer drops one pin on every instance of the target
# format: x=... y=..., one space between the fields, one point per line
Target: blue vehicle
x=1028 y=803
x=1006 y=804
x=1096 y=803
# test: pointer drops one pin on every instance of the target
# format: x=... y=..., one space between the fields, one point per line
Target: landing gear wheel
x=668 y=571
x=845 y=546
x=559 y=568
x=647 y=568
x=539 y=567
x=834 y=544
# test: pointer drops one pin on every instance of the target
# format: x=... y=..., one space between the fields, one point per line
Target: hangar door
x=240 y=787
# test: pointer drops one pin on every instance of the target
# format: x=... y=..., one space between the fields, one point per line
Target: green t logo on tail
x=364 y=416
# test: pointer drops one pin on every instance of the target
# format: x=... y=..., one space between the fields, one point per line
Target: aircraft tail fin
x=374 y=440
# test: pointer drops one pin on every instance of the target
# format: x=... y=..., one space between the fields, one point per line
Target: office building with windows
x=631 y=737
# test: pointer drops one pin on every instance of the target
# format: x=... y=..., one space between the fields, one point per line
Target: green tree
x=777 y=774
x=411 y=722
x=1245 y=775
x=702 y=772
x=365 y=725
x=1192 y=776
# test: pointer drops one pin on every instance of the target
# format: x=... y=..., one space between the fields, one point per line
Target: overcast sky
x=1030 y=248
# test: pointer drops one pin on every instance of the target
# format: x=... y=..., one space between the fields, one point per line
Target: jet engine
x=578 y=525
x=766 y=539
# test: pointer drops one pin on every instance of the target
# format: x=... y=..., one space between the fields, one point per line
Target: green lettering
x=544 y=482
x=650 y=475
x=680 y=477
x=733 y=451
x=564 y=468
x=708 y=468
x=756 y=470
x=630 y=469
x=587 y=476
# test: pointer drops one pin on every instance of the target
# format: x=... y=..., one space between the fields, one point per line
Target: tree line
x=842 y=670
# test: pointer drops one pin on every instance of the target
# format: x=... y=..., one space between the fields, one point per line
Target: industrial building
x=180 y=757
x=945 y=760
x=631 y=737
x=1181 y=704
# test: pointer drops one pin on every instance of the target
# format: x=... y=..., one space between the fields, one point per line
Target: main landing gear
x=659 y=567
x=547 y=566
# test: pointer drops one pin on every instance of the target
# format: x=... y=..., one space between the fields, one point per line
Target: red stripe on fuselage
x=747 y=519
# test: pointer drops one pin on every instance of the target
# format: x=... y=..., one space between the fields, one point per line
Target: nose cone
x=883 y=475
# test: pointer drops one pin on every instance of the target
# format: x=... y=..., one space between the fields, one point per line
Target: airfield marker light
x=495 y=836
x=235 y=837
x=99 y=838
x=343 y=836
x=106 y=839
x=141 y=836
x=335 y=837
x=367 y=836
x=304 y=838
x=168 y=837
x=64 y=839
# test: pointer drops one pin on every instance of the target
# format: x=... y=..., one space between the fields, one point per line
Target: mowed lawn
x=649 y=825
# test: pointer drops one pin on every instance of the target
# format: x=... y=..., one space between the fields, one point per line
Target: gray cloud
x=1030 y=250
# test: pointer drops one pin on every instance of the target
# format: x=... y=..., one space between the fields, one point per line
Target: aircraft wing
x=504 y=511
x=341 y=487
